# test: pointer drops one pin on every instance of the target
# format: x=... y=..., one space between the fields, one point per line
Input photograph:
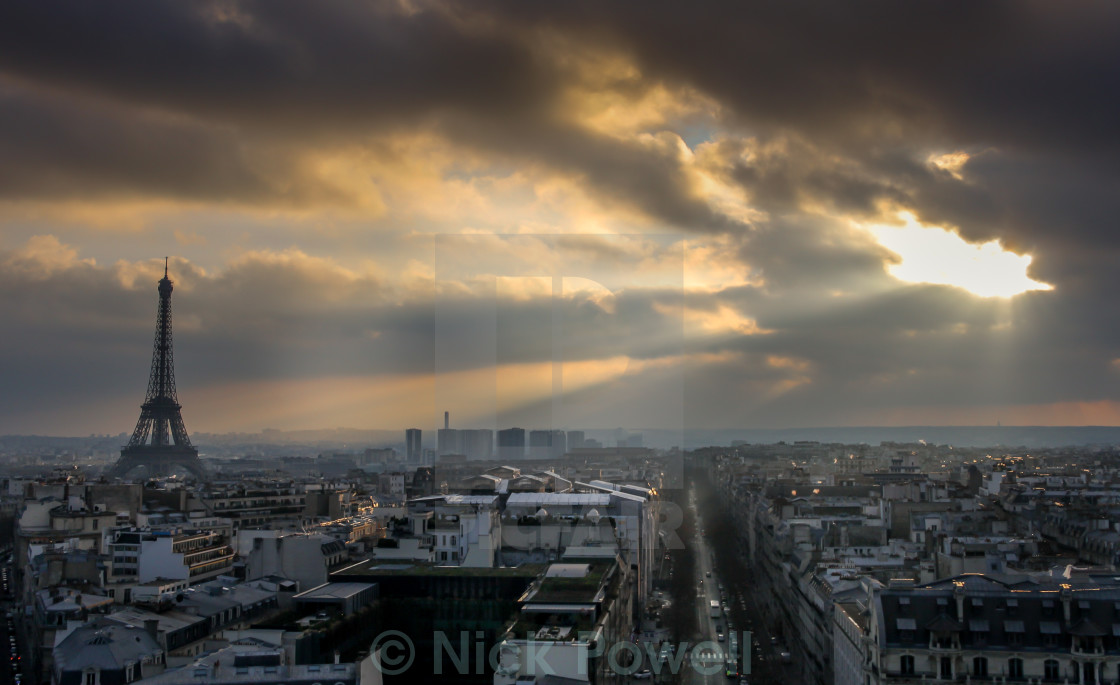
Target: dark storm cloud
x=299 y=74
x=859 y=80
x=59 y=146
x=1025 y=74
x=862 y=76
x=884 y=83
x=281 y=63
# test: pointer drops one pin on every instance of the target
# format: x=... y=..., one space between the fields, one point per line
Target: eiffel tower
x=160 y=443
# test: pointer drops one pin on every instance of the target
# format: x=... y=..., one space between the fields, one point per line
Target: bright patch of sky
x=930 y=254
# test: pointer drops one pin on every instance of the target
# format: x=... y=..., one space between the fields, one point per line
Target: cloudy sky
x=579 y=214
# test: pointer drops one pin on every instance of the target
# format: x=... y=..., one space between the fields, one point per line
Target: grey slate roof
x=1000 y=609
x=107 y=646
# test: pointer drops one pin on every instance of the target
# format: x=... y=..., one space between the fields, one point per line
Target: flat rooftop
x=335 y=591
x=374 y=568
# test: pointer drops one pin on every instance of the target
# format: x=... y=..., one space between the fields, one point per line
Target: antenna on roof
x=165 y=267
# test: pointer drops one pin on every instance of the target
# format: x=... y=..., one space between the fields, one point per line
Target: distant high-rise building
x=559 y=444
x=477 y=443
x=511 y=443
x=540 y=442
x=449 y=441
x=412 y=445
x=575 y=440
x=446 y=420
x=547 y=444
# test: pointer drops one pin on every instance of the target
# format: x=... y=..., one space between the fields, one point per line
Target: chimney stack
x=446 y=420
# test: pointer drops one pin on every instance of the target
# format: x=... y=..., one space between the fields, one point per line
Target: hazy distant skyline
x=715 y=216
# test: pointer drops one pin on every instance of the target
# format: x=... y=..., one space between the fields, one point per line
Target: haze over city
x=578 y=215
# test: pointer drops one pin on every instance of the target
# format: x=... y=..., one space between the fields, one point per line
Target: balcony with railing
x=1088 y=639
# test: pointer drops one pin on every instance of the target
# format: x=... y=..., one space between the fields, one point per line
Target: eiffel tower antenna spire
x=160 y=441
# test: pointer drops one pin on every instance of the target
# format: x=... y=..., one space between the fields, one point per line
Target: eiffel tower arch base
x=158 y=462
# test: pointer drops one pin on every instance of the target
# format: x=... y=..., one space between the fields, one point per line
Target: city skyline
x=570 y=217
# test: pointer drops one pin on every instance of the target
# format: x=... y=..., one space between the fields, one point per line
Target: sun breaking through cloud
x=930 y=254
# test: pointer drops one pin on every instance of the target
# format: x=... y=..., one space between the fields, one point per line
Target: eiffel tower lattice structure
x=160 y=443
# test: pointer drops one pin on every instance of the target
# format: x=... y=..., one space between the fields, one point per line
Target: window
x=980 y=667
x=906 y=664
x=1015 y=668
x=91 y=678
x=1051 y=669
x=1015 y=639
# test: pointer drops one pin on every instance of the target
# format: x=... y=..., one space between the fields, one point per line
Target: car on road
x=720 y=637
x=643 y=674
x=708 y=574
